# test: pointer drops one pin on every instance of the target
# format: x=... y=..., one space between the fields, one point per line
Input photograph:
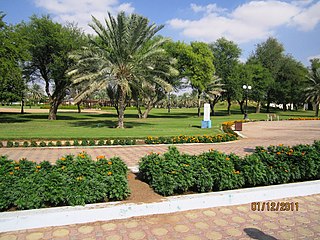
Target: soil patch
x=140 y=191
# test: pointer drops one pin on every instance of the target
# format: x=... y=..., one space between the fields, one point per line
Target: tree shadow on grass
x=45 y=117
x=12 y=118
x=107 y=123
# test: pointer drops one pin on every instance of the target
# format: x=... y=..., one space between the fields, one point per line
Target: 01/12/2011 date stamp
x=275 y=206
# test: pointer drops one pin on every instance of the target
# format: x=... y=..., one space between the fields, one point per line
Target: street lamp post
x=246 y=89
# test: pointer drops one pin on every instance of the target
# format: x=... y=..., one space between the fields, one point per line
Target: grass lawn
x=72 y=125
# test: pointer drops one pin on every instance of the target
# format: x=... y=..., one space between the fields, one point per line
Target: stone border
x=59 y=216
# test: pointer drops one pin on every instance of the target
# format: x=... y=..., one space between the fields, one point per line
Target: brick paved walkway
x=235 y=222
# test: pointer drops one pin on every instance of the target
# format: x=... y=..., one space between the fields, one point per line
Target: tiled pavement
x=233 y=222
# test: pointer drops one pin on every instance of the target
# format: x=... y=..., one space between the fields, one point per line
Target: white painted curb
x=28 y=219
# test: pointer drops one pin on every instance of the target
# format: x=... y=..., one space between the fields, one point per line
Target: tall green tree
x=262 y=81
x=122 y=55
x=313 y=90
x=270 y=55
x=12 y=54
x=51 y=44
x=195 y=63
x=226 y=57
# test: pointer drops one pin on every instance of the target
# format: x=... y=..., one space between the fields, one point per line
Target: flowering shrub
x=191 y=139
x=303 y=118
x=73 y=180
x=173 y=173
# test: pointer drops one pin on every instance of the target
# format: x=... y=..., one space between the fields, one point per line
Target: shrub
x=9 y=144
x=16 y=144
x=58 y=143
x=72 y=180
x=50 y=144
x=84 y=143
x=92 y=142
x=67 y=143
x=100 y=142
x=43 y=144
x=173 y=173
x=191 y=139
x=25 y=144
x=76 y=143
x=33 y=144
x=1 y=144
x=108 y=142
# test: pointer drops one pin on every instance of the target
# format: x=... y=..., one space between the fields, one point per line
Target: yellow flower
x=101 y=157
x=109 y=173
x=79 y=178
x=11 y=173
x=62 y=159
x=63 y=167
x=110 y=163
x=38 y=166
x=227 y=159
x=280 y=145
x=16 y=168
x=278 y=153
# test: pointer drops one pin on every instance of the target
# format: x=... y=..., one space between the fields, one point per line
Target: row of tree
x=127 y=60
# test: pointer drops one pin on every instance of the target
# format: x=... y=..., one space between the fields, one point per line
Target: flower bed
x=72 y=180
x=300 y=119
x=191 y=139
x=175 y=173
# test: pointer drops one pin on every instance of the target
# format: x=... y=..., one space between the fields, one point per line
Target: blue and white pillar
x=206 y=123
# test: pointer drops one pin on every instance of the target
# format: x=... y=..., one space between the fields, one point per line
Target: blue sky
x=296 y=24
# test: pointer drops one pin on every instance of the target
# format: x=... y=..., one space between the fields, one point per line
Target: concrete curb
x=39 y=218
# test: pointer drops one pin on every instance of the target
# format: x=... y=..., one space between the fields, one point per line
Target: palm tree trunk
x=78 y=106
x=121 y=107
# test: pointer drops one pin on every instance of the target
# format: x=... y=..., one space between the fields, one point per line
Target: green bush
x=191 y=139
x=100 y=142
x=50 y=144
x=43 y=144
x=33 y=144
x=173 y=173
x=84 y=142
x=76 y=143
x=58 y=143
x=16 y=144
x=9 y=144
x=73 y=180
x=1 y=144
x=25 y=144
x=67 y=143
x=92 y=142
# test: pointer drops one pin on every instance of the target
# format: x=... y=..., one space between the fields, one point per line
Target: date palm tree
x=121 y=55
x=313 y=91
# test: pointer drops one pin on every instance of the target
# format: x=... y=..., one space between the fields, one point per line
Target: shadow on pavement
x=257 y=234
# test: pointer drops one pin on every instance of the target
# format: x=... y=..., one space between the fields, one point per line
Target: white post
x=206 y=123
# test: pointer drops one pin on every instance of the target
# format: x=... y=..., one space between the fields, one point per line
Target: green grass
x=159 y=123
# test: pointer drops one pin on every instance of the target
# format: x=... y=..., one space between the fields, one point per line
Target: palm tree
x=35 y=93
x=313 y=91
x=122 y=55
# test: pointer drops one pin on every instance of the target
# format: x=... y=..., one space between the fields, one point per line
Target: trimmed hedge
x=72 y=180
x=175 y=173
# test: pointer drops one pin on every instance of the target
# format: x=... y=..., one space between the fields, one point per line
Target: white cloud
x=313 y=57
x=80 y=11
x=254 y=20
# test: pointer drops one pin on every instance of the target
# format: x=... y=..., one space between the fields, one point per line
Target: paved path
x=234 y=222
x=257 y=133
